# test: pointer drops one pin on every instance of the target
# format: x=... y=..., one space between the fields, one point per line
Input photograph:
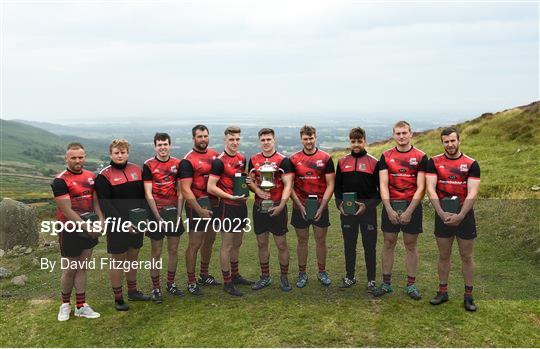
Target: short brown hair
x=119 y=143
x=266 y=131
x=402 y=123
x=231 y=130
x=308 y=130
x=447 y=131
x=357 y=133
x=74 y=145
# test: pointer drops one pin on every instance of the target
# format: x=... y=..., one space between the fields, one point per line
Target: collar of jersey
x=306 y=154
x=162 y=161
x=75 y=173
x=229 y=155
x=268 y=157
x=119 y=166
x=200 y=152
x=459 y=157
x=359 y=155
x=403 y=152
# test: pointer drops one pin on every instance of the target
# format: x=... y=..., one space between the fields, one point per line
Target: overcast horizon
x=139 y=60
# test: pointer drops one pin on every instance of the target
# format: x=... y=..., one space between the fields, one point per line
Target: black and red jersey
x=78 y=188
x=282 y=166
x=162 y=175
x=310 y=172
x=359 y=173
x=452 y=174
x=403 y=168
x=196 y=166
x=120 y=188
x=225 y=167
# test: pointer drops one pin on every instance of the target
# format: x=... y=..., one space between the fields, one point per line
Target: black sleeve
x=430 y=167
x=293 y=169
x=338 y=192
x=59 y=187
x=330 y=166
x=186 y=170
x=382 y=163
x=103 y=190
x=286 y=166
x=250 y=165
x=474 y=171
x=146 y=173
x=423 y=163
x=217 y=167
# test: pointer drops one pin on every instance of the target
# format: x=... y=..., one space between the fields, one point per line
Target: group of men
x=204 y=182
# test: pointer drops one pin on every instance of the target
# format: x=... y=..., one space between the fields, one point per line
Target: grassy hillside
x=505 y=144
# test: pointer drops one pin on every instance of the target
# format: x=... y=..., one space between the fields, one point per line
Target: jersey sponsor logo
x=463 y=168
x=319 y=163
x=452 y=177
x=413 y=161
x=402 y=170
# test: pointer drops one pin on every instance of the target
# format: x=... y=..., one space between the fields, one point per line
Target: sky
x=96 y=61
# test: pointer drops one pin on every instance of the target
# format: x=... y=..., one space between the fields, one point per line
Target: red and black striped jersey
x=196 y=166
x=224 y=167
x=310 y=173
x=162 y=175
x=282 y=166
x=403 y=168
x=120 y=188
x=358 y=173
x=452 y=174
x=78 y=188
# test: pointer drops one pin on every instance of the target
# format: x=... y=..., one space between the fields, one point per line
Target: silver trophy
x=267 y=172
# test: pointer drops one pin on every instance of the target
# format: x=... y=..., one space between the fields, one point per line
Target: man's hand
x=318 y=214
x=445 y=215
x=302 y=209
x=263 y=194
x=275 y=210
x=361 y=208
x=393 y=216
x=342 y=210
x=405 y=217
x=454 y=220
x=239 y=197
x=132 y=229
x=204 y=213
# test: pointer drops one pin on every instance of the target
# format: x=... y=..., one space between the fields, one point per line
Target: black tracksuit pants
x=350 y=227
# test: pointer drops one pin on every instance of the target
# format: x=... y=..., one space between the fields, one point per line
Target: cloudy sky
x=103 y=60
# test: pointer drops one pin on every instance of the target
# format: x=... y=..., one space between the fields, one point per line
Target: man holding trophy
x=272 y=180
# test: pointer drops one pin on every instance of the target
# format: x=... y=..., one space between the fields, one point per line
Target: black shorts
x=119 y=241
x=158 y=232
x=262 y=222
x=414 y=226
x=299 y=222
x=466 y=230
x=237 y=216
x=72 y=245
x=193 y=218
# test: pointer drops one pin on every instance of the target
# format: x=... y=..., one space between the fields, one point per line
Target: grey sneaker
x=263 y=282
x=174 y=290
x=324 y=278
x=382 y=290
x=371 y=286
x=194 y=289
x=285 y=285
x=346 y=282
x=413 y=292
x=138 y=296
x=157 y=297
x=302 y=280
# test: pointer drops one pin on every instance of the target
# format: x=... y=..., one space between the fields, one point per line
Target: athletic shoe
x=413 y=292
x=157 y=297
x=285 y=285
x=194 y=289
x=324 y=278
x=239 y=280
x=87 y=312
x=230 y=289
x=371 y=286
x=63 y=313
x=262 y=283
x=121 y=305
x=208 y=280
x=440 y=298
x=382 y=290
x=302 y=280
x=468 y=303
x=346 y=282
x=174 y=290
x=138 y=296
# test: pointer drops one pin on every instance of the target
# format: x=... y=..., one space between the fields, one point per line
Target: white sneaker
x=63 y=313
x=87 y=312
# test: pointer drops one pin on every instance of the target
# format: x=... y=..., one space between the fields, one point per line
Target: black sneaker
x=157 y=297
x=371 y=286
x=263 y=282
x=440 y=298
x=239 y=280
x=194 y=289
x=468 y=303
x=138 y=296
x=346 y=282
x=174 y=290
x=208 y=280
x=121 y=305
x=230 y=289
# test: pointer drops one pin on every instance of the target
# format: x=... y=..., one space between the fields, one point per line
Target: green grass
x=505 y=289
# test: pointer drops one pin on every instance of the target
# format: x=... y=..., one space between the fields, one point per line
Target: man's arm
x=330 y=178
x=150 y=200
x=405 y=217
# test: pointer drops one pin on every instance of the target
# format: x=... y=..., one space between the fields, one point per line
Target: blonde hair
x=119 y=143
